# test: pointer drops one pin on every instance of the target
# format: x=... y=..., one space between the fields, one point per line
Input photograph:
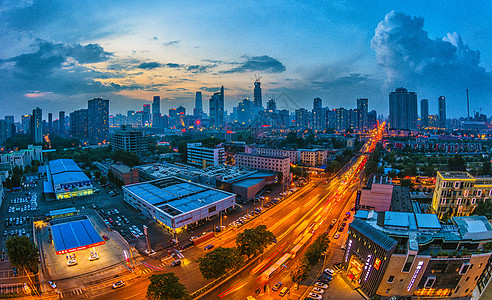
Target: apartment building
x=204 y=157
x=458 y=193
x=265 y=162
x=314 y=157
x=293 y=155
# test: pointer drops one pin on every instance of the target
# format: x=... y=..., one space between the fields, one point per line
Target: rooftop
x=175 y=196
x=454 y=175
x=266 y=156
x=121 y=168
x=75 y=235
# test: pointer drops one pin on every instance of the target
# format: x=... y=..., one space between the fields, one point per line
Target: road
x=315 y=206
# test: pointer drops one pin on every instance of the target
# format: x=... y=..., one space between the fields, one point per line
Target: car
x=323 y=280
x=118 y=284
x=116 y=211
x=341 y=228
x=343 y=247
x=321 y=285
x=72 y=262
x=118 y=223
x=105 y=237
x=277 y=286
x=52 y=284
x=330 y=226
x=193 y=238
x=317 y=290
x=5 y=233
x=336 y=236
x=14 y=270
x=315 y=296
x=208 y=247
x=258 y=291
x=329 y=272
x=93 y=256
x=334 y=221
x=177 y=262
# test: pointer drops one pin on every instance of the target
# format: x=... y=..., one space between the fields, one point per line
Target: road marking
x=133 y=296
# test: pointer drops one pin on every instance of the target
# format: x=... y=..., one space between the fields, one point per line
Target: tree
x=484 y=208
x=127 y=157
x=166 y=287
x=218 y=262
x=485 y=168
x=300 y=271
x=103 y=180
x=22 y=253
x=254 y=241
x=456 y=163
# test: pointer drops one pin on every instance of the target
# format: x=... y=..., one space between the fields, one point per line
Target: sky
x=56 y=54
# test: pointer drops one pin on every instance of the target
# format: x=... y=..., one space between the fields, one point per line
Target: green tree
x=166 y=287
x=103 y=180
x=254 y=241
x=456 y=163
x=218 y=262
x=300 y=271
x=484 y=208
x=485 y=168
x=127 y=157
x=22 y=253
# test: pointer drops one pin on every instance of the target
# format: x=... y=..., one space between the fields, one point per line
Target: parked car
x=208 y=247
x=328 y=271
x=336 y=236
x=277 y=286
x=315 y=296
x=177 y=262
x=52 y=284
x=321 y=285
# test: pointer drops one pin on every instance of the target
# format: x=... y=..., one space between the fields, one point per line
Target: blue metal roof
x=69 y=177
x=66 y=171
x=62 y=211
x=373 y=234
x=428 y=221
x=63 y=165
x=76 y=235
x=400 y=219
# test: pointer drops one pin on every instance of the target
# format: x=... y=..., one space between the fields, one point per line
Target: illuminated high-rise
x=98 y=120
x=403 y=109
x=37 y=125
x=424 y=113
x=442 y=111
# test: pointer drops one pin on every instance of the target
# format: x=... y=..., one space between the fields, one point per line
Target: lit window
x=465 y=193
x=443 y=201
x=458 y=201
x=473 y=201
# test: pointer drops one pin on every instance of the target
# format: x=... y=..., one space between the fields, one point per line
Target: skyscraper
x=26 y=124
x=79 y=124
x=402 y=109
x=61 y=122
x=98 y=120
x=362 y=111
x=37 y=125
x=156 y=112
x=424 y=113
x=257 y=100
x=302 y=119
x=217 y=109
x=317 y=103
x=442 y=111
x=198 y=110
x=50 y=121
x=146 y=115
x=271 y=106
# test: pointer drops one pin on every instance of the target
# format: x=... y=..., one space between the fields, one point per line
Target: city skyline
x=345 y=52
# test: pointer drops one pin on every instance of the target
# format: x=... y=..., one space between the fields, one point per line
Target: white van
x=284 y=291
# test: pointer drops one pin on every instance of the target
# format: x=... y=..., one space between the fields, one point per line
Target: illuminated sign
x=367 y=267
x=80 y=248
x=377 y=263
x=415 y=274
x=347 y=252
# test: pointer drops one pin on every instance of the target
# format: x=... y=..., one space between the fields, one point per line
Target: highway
x=307 y=212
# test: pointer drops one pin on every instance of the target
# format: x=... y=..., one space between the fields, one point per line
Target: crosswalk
x=147 y=270
x=71 y=293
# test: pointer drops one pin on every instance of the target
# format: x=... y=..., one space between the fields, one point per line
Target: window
x=467 y=279
x=391 y=279
x=466 y=291
x=465 y=193
x=464 y=268
x=479 y=193
x=460 y=209
x=430 y=282
x=443 y=201
x=408 y=264
x=473 y=201
x=456 y=184
x=476 y=277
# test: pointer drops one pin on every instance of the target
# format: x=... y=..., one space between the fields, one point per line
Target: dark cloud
x=50 y=56
x=149 y=65
x=263 y=63
x=170 y=43
x=210 y=89
x=155 y=38
x=410 y=58
x=173 y=65
x=343 y=82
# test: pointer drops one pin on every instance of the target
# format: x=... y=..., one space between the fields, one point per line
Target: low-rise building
x=266 y=163
x=314 y=157
x=294 y=155
x=67 y=180
x=22 y=158
x=459 y=193
x=176 y=203
x=412 y=255
x=124 y=173
x=204 y=157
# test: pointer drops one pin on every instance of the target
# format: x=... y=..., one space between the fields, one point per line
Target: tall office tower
x=10 y=126
x=217 y=109
x=342 y=119
x=317 y=103
x=271 y=106
x=98 y=120
x=26 y=124
x=146 y=115
x=37 y=125
x=181 y=110
x=244 y=112
x=257 y=100
x=403 y=109
x=442 y=111
x=319 y=117
x=198 y=110
x=156 y=111
x=424 y=113
x=61 y=122
x=78 y=124
x=362 y=110
x=50 y=121
x=302 y=119
x=372 y=119
x=284 y=118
